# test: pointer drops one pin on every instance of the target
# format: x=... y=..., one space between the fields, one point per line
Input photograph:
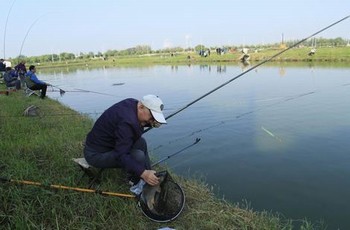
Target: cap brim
x=159 y=117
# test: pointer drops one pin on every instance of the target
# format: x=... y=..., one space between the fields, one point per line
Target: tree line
x=146 y=49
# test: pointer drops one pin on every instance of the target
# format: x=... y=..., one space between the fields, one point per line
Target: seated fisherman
x=11 y=79
x=21 y=71
x=34 y=83
x=2 y=67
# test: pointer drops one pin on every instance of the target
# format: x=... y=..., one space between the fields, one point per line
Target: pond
x=278 y=137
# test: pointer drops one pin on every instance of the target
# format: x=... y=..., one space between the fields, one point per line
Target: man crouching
x=115 y=140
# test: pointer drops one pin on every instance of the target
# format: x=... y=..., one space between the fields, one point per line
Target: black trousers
x=41 y=87
x=15 y=83
x=107 y=159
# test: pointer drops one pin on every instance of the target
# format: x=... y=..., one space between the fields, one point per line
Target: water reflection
x=221 y=68
x=175 y=68
x=202 y=67
x=270 y=134
x=282 y=71
x=245 y=65
x=208 y=68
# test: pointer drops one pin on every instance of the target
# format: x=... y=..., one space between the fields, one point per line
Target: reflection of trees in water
x=71 y=69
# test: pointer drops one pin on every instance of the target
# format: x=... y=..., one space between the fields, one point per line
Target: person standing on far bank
x=115 y=140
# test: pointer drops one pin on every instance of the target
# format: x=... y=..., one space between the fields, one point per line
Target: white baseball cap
x=155 y=105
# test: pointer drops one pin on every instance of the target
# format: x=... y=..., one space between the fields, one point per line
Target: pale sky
x=56 y=26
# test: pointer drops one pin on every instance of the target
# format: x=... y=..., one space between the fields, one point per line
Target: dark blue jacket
x=118 y=129
x=34 y=78
x=10 y=78
x=2 y=67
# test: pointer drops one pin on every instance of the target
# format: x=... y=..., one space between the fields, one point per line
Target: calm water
x=278 y=137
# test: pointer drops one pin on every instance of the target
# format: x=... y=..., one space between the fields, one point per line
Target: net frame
x=162 y=198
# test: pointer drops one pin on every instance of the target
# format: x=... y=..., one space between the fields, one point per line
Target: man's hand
x=150 y=177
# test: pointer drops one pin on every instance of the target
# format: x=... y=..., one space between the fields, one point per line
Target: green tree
x=66 y=56
x=199 y=48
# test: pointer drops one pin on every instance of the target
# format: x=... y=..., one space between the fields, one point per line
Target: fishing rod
x=171 y=155
x=80 y=91
x=70 y=91
x=250 y=69
x=89 y=91
x=31 y=26
x=63 y=187
x=6 y=92
x=7 y=18
x=8 y=14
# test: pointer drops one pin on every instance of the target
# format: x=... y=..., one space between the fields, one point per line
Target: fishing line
x=285 y=99
x=250 y=69
x=232 y=119
x=70 y=91
x=89 y=91
x=288 y=99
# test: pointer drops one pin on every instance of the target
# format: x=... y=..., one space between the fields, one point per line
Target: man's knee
x=138 y=155
x=140 y=144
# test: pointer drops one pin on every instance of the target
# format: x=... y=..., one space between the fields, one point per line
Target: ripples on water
x=277 y=137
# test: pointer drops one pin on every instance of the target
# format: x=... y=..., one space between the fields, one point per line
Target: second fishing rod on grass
x=89 y=190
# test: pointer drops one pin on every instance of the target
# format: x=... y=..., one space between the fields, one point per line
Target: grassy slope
x=40 y=149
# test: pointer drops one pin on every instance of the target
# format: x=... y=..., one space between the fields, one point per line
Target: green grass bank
x=40 y=148
x=324 y=55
